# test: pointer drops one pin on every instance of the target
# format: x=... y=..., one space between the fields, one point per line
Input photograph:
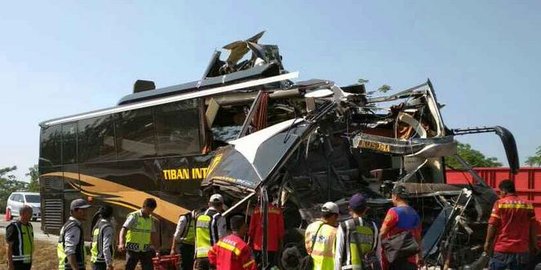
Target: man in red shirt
x=511 y=233
x=275 y=232
x=231 y=252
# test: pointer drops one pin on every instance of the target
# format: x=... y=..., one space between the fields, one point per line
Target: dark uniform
x=102 y=249
x=71 y=242
x=21 y=238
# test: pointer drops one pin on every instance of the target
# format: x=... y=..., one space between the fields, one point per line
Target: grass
x=45 y=256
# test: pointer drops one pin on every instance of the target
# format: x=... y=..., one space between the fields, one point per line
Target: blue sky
x=64 y=57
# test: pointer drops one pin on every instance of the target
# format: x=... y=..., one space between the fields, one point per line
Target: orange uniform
x=512 y=216
x=232 y=253
x=275 y=229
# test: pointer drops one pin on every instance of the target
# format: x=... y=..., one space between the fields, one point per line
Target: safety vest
x=23 y=246
x=138 y=237
x=63 y=263
x=206 y=232
x=323 y=251
x=188 y=235
x=360 y=239
x=96 y=250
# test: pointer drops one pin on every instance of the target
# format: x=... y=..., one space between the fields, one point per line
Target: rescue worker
x=320 y=237
x=512 y=225
x=210 y=226
x=398 y=219
x=137 y=236
x=20 y=241
x=102 y=249
x=71 y=250
x=275 y=233
x=357 y=239
x=231 y=252
x=184 y=239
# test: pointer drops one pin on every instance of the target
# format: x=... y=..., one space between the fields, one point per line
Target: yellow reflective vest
x=359 y=237
x=23 y=246
x=63 y=263
x=96 y=249
x=206 y=233
x=188 y=235
x=322 y=240
x=139 y=235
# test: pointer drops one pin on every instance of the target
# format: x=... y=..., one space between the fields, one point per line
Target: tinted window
x=69 y=143
x=17 y=198
x=50 y=146
x=177 y=128
x=32 y=198
x=135 y=134
x=96 y=139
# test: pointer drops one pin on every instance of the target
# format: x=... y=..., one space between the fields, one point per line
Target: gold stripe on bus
x=130 y=196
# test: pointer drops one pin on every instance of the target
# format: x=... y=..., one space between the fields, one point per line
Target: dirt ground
x=45 y=256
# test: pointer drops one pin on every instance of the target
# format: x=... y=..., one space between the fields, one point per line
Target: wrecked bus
x=248 y=131
x=344 y=140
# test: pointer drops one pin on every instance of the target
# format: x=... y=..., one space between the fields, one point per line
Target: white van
x=17 y=199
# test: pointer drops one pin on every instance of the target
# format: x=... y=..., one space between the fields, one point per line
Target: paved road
x=38 y=234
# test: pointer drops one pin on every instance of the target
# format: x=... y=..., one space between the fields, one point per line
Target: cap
x=330 y=207
x=79 y=204
x=357 y=202
x=216 y=198
x=400 y=190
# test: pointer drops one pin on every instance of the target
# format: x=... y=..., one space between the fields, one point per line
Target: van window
x=17 y=198
x=32 y=198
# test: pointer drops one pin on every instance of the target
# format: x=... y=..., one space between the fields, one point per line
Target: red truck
x=527 y=181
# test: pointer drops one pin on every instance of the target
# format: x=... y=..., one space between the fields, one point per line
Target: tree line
x=9 y=183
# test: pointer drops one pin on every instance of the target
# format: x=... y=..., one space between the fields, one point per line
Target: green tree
x=33 y=173
x=9 y=184
x=474 y=158
x=535 y=160
x=384 y=88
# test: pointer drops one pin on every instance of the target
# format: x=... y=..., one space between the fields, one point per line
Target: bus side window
x=178 y=128
x=51 y=139
x=135 y=134
x=69 y=143
x=96 y=139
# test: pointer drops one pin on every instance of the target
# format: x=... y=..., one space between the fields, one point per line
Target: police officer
x=320 y=237
x=185 y=236
x=231 y=252
x=357 y=239
x=20 y=241
x=103 y=241
x=210 y=226
x=70 y=250
x=136 y=236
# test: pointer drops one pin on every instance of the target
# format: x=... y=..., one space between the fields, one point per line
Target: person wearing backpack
x=357 y=239
x=401 y=223
x=320 y=237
